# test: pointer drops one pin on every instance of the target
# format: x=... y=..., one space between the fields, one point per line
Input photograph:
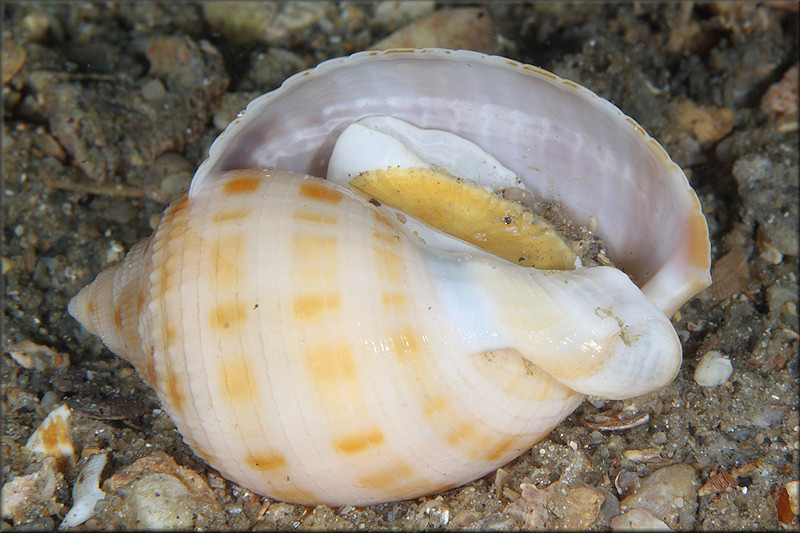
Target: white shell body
x=311 y=350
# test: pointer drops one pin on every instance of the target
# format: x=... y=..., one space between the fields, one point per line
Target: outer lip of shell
x=662 y=244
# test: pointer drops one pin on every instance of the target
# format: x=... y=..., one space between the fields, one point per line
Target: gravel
x=108 y=108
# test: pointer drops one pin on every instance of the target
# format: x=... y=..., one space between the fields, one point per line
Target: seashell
x=86 y=492
x=54 y=436
x=317 y=347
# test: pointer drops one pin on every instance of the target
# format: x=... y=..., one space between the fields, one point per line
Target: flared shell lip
x=217 y=147
x=687 y=272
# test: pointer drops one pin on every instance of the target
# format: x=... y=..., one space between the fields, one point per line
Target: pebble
x=638 y=520
x=13 y=57
x=781 y=97
x=669 y=494
x=269 y=69
x=30 y=355
x=707 y=124
x=272 y=23
x=769 y=191
x=713 y=369
x=153 y=91
x=460 y=28
x=25 y=491
x=159 y=501
x=393 y=14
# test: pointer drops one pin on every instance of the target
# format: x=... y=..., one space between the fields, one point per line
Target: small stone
x=29 y=355
x=706 y=123
x=713 y=369
x=269 y=69
x=638 y=520
x=393 y=14
x=25 y=491
x=669 y=494
x=154 y=91
x=159 y=502
x=461 y=28
x=641 y=456
x=271 y=23
x=781 y=97
x=531 y=507
x=13 y=57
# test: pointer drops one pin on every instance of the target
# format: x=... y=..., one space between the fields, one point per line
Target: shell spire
x=111 y=306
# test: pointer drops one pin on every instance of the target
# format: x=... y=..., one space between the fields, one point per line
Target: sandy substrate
x=108 y=110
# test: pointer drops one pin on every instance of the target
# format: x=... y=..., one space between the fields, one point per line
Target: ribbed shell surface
x=294 y=336
x=311 y=350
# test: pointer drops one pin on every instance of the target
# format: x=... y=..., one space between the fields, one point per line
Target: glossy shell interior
x=565 y=142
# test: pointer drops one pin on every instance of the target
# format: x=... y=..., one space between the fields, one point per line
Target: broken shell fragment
x=53 y=437
x=713 y=369
x=317 y=347
x=86 y=492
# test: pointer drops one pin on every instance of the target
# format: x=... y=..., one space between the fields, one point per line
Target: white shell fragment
x=308 y=345
x=713 y=369
x=53 y=437
x=86 y=492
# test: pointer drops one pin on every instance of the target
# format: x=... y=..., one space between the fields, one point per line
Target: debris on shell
x=86 y=492
x=669 y=494
x=713 y=369
x=707 y=124
x=718 y=482
x=459 y=28
x=25 y=491
x=30 y=355
x=638 y=519
x=729 y=275
x=53 y=436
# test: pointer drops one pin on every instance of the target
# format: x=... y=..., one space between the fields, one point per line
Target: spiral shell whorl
x=316 y=367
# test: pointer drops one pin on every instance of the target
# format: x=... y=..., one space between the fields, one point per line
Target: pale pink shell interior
x=565 y=142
